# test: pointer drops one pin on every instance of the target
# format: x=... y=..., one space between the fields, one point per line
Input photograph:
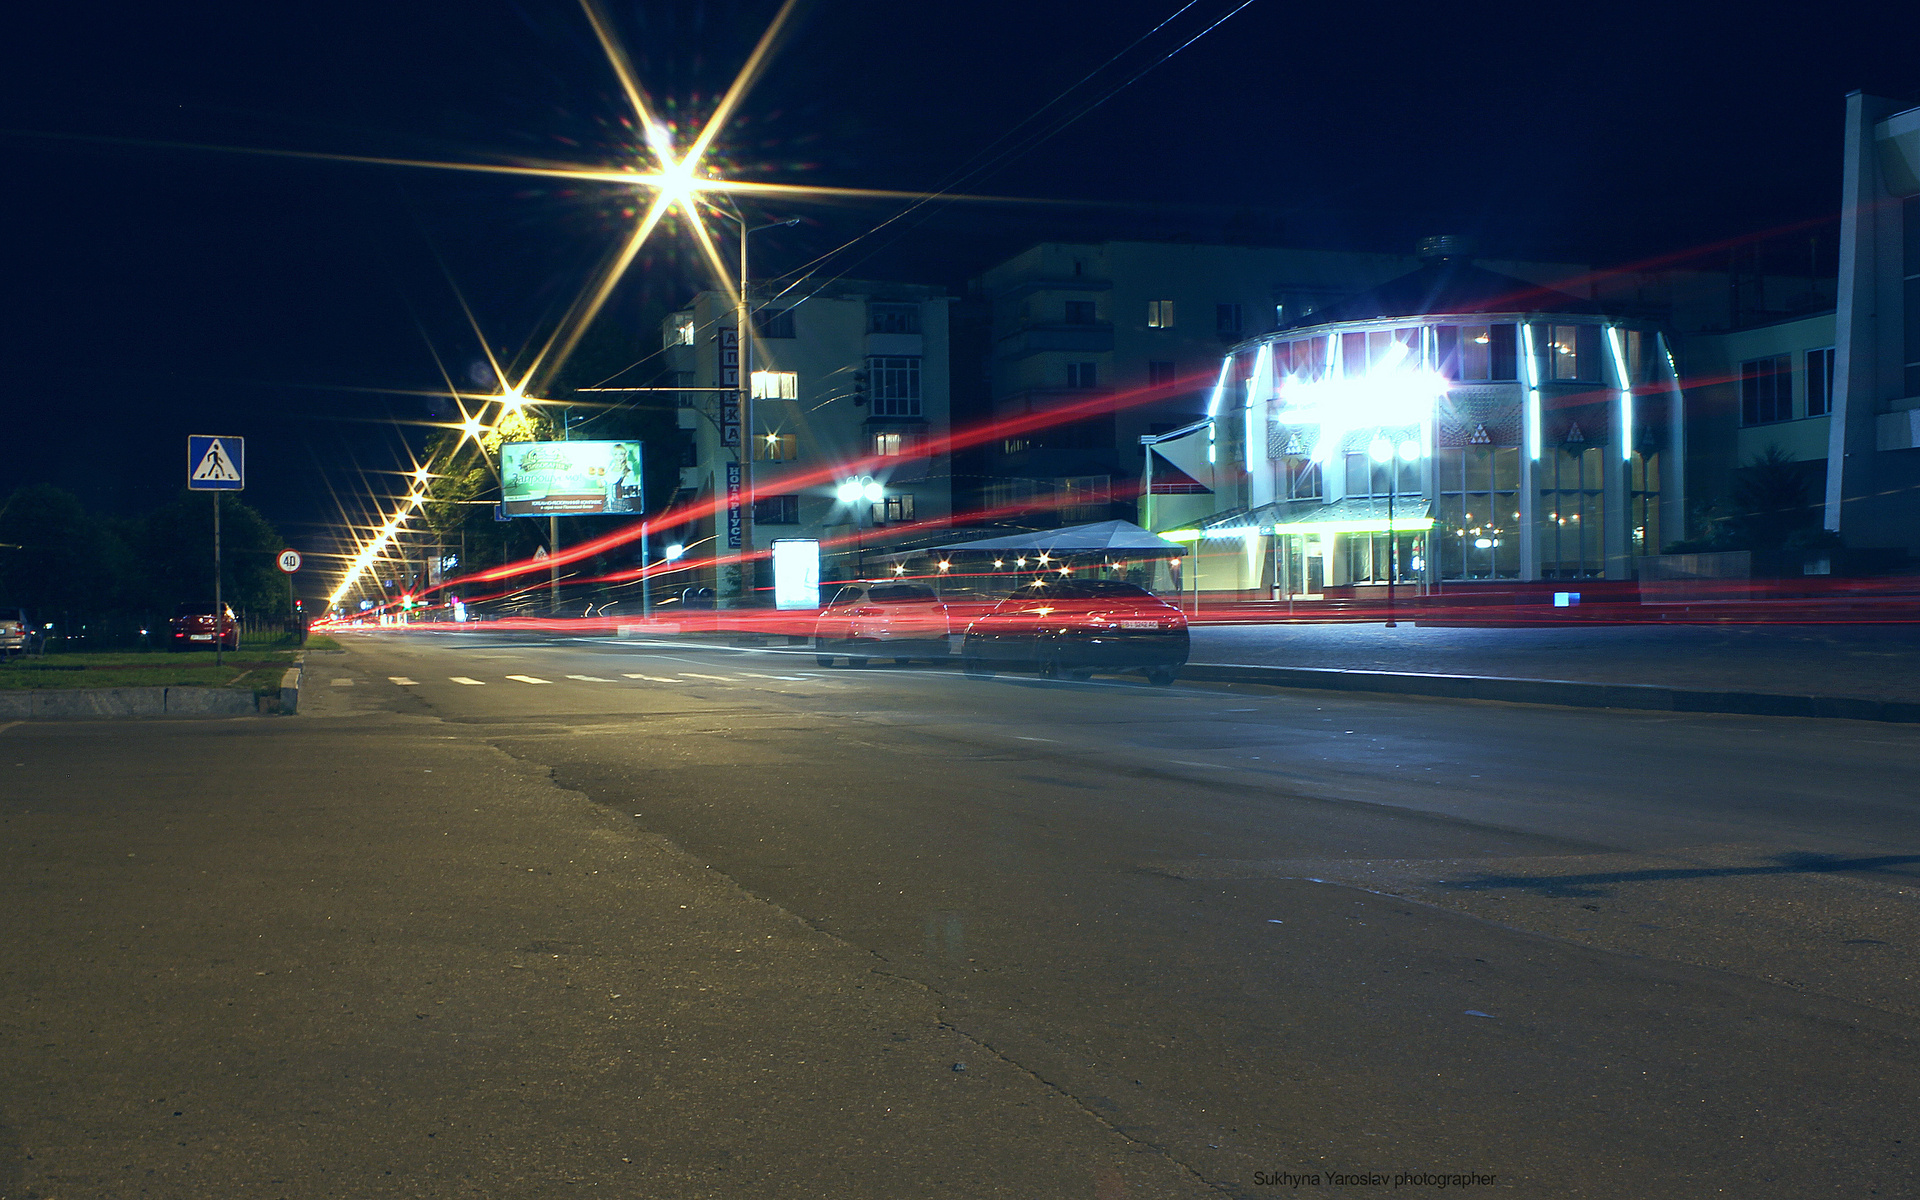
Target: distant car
x=16 y=632
x=192 y=629
x=881 y=619
x=1074 y=627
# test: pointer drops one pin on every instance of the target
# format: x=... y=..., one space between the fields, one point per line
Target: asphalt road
x=1204 y=940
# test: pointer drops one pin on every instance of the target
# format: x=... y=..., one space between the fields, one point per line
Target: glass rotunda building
x=1453 y=427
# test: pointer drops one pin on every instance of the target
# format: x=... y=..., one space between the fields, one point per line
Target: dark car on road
x=1074 y=627
x=193 y=629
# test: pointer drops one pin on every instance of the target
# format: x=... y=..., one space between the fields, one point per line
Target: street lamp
x=853 y=492
x=742 y=450
x=1383 y=451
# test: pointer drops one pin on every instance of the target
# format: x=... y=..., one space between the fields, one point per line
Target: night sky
x=159 y=291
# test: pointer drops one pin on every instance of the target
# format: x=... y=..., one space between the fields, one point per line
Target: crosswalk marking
x=402 y=680
x=787 y=678
x=525 y=679
x=465 y=680
x=343 y=683
x=716 y=678
x=589 y=679
x=649 y=678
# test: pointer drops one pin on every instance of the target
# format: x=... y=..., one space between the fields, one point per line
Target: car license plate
x=1139 y=624
x=199 y=637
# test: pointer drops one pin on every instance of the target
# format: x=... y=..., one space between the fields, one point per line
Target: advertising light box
x=548 y=479
x=796 y=573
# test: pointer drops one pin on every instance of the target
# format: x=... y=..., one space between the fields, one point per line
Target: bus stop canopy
x=1076 y=539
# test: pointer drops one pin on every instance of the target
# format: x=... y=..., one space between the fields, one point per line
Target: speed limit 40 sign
x=289 y=561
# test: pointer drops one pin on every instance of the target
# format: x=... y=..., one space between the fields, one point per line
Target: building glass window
x=1366 y=477
x=1227 y=320
x=1820 y=381
x=1083 y=498
x=1080 y=312
x=895 y=382
x=1489 y=352
x=893 y=318
x=681 y=334
x=1573 y=353
x=1477 y=525
x=1081 y=375
x=1159 y=373
x=1302 y=477
x=1367 y=556
x=1572 y=508
x=773 y=322
x=776 y=510
x=896 y=442
x=775 y=385
x=776 y=447
x=1159 y=314
x=894 y=508
x=1766 y=390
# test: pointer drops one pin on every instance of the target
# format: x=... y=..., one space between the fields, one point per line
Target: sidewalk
x=1877 y=667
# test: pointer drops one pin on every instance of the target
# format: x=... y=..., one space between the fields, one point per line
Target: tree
x=175 y=553
x=56 y=561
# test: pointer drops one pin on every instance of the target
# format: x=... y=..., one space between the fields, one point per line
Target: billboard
x=548 y=479
x=796 y=573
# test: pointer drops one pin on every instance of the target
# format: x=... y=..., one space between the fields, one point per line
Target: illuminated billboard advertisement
x=796 y=573
x=549 y=479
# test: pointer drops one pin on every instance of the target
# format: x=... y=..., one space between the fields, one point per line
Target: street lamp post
x=861 y=493
x=1383 y=451
x=743 y=451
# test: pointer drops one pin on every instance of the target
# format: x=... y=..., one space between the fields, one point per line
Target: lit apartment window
x=1159 y=373
x=1227 y=319
x=894 y=508
x=681 y=334
x=1159 y=314
x=1573 y=352
x=773 y=322
x=895 y=443
x=1014 y=445
x=1488 y=351
x=1766 y=390
x=895 y=381
x=1080 y=312
x=1820 y=382
x=776 y=510
x=1081 y=375
x=776 y=447
x=893 y=318
x=775 y=385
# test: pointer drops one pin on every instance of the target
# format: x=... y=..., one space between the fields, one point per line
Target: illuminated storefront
x=1453 y=426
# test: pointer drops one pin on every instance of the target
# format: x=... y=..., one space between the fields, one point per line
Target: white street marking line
x=1034 y=739
x=465 y=680
x=716 y=678
x=402 y=680
x=525 y=679
x=649 y=678
x=1180 y=762
x=589 y=679
x=343 y=683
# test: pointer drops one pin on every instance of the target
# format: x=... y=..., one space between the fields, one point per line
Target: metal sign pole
x=219 y=609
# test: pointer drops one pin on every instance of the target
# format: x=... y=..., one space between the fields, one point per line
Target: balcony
x=1095 y=337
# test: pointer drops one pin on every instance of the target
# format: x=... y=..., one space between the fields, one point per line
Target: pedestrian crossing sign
x=216 y=464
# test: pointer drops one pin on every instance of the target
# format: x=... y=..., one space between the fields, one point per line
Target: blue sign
x=215 y=463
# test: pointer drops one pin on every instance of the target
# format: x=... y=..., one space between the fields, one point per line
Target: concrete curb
x=290 y=685
x=128 y=702
x=1562 y=692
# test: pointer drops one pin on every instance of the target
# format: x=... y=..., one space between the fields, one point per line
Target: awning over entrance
x=1076 y=539
x=1358 y=515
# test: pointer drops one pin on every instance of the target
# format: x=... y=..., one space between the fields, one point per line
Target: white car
x=882 y=619
x=16 y=632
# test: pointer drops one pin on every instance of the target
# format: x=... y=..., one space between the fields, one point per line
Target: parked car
x=16 y=632
x=876 y=619
x=1074 y=627
x=192 y=628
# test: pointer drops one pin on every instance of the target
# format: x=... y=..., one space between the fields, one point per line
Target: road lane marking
x=1035 y=739
x=343 y=683
x=649 y=678
x=402 y=680
x=589 y=679
x=525 y=679
x=465 y=680
x=715 y=678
